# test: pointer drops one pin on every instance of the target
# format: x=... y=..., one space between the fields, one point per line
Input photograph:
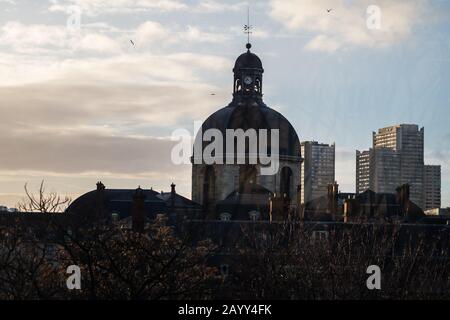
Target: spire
x=248 y=29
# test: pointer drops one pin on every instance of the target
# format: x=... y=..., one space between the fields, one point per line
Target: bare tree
x=43 y=202
x=28 y=269
x=287 y=261
x=122 y=264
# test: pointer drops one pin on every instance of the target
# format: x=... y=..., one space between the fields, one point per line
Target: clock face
x=248 y=80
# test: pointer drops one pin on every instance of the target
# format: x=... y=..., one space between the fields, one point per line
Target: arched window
x=286 y=182
x=225 y=216
x=258 y=85
x=224 y=269
x=237 y=85
x=209 y=186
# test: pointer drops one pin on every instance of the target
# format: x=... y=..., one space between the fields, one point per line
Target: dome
x=248 y=60
x=248 y=111
x=256 y=116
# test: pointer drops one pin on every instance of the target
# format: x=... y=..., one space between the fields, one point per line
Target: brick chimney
x=172 y=197
x=99 y=201
x=332 y=199
x=348 y=210
x=138 y=211
x=278 y=207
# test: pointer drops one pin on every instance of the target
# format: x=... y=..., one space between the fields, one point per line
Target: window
x=225 y=216
x=319 y=236
x=114 y=217
x=254 y=215
x=224 y=269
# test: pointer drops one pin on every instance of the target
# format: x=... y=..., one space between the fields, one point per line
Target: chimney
x=172 y=197
x=100 y=186
x=99 y=201
x=347 y=210
x=278 y=208
x=332 y=199
x=138 y=211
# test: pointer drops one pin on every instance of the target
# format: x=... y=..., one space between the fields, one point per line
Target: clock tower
x=248 y=75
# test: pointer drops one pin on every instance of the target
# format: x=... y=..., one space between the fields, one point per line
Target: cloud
x=99 y=7
x=346 y=25
x=212 y=6
x=195 y=34
x=19 y=36
x=53 y=39
x=98 y=38
x=323 y=43
x=98 y=43
x=150 y=32
x=101 y=116
x=102 y=7
x=153 y=89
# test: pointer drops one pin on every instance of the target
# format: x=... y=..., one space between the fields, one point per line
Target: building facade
x=363 y=170
x=317 y=169
x=396 y=158
x=432 y=187
x=407 y=142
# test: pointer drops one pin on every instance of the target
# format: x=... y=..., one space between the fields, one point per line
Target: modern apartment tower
x=432 y=187
x=363 y=170
x=396 y=158
x=317 y=169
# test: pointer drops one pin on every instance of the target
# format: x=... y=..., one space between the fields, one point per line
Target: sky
x=79 y=103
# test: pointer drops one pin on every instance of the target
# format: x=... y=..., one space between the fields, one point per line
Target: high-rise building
x=363 y=170
x=432 y=186
x=408 y=141
x=396 y=158
x=377 y=170
x=385 y=170
x=317 y=169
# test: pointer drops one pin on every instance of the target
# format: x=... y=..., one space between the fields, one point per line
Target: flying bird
x=213 y=94
x=132 y=42
x=329 y=10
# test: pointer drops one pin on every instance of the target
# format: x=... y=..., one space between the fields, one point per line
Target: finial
x=248 y=46
x=248 y=29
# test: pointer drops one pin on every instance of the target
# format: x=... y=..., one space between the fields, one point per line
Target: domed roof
x=248 y=60
x=255 y=115
x=248 y=111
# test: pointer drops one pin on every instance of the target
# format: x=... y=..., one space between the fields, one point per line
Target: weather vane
x=248 y=28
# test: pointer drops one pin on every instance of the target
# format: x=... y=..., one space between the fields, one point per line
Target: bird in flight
x=132 y=42
x=329 y=10
x=213 y=94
